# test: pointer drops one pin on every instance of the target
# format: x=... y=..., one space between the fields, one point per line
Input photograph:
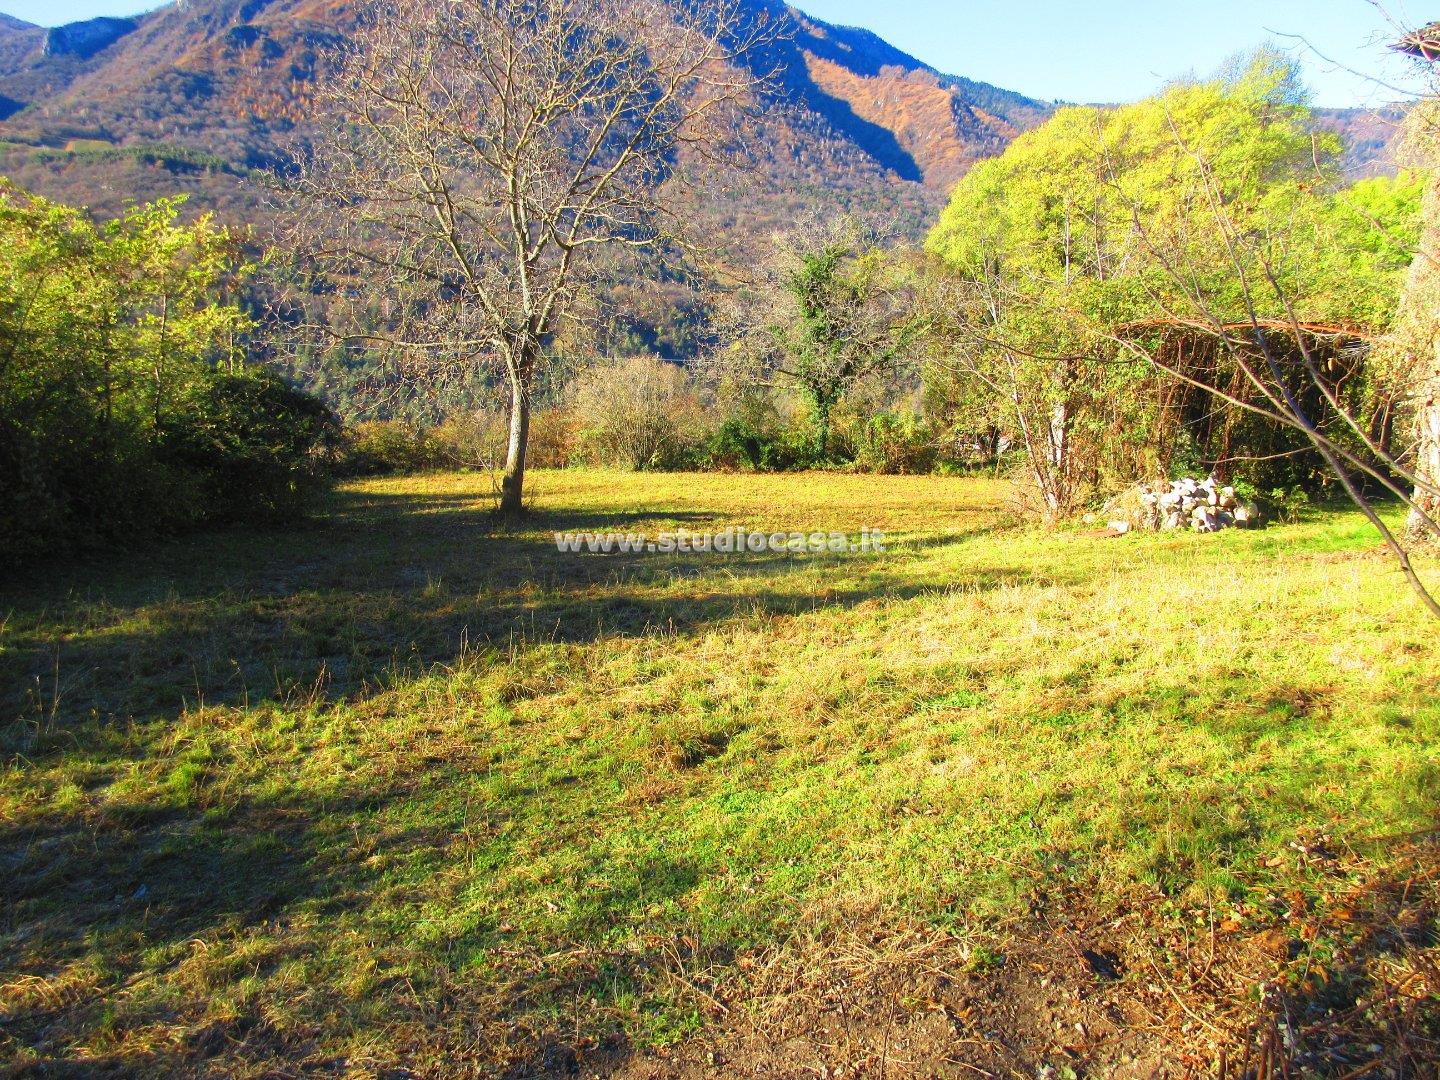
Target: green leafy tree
x=1107 y=236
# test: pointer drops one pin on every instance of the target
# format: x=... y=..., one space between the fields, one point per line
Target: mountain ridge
x=229 y=77
x=226 y=81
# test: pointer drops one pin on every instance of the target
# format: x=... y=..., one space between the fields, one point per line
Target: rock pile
x=1202 y=505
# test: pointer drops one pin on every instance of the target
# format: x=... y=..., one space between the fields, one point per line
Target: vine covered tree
x=473 y=157
x=830 y=309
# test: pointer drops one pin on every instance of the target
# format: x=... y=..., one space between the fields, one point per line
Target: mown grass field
x=405 y=787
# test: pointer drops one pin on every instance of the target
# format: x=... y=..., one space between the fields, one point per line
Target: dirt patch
x=1343 y=984
x=1063 y=999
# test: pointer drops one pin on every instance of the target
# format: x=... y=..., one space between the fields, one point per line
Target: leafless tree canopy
x=473 y=155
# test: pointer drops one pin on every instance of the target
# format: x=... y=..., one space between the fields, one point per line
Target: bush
x=896 y=443
x=124 y=413
x=474 y=440
x=252 y=447
x=236 y=448
x=552 y=439
x=739 y=443
x=638 y=414
x=384 y=447
x=754 y=432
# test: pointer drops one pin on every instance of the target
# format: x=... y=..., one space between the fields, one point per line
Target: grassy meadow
x=406 y=787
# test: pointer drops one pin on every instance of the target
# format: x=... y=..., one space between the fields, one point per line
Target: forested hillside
x=200 y=98
x=229 y=79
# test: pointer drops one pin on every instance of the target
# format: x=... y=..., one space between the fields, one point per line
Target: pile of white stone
x=1202 y=505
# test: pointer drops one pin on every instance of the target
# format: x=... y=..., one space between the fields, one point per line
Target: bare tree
x=472 y=158
x=1040 y=397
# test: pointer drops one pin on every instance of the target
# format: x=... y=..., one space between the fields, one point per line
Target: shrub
x=253 y=447
x=739 y=443
x=384 y=447
x=552 y=439
x=896 y=443
x=638 y=413
x=473 y=440
x=755 y=432
x=122 y=412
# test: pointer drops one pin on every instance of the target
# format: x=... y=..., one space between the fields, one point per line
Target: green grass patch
x=318 y=781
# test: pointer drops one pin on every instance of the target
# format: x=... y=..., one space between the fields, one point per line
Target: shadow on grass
x=124 y=917
x=101 y=906
x=152 y=939
x=387 y=586
x=1366 y=1005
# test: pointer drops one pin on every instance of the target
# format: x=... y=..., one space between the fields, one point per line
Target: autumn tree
x=473 y=158
x=1065 y=238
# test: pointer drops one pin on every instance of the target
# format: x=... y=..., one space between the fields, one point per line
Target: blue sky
x=1099 y=50
x=1120 y=50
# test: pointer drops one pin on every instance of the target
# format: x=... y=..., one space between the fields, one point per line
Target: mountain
x=196 y=96
x=89 y=110
x=922 y=125
x=1372 y=138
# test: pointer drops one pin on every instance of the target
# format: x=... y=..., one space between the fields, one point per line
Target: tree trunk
x=822 y=430
x=1427 y=453
x=1058 y=492
x=1418 y=336
x=512 y=484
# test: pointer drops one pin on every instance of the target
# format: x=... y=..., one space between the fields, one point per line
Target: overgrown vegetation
x=1112 y=268
x=126 y=408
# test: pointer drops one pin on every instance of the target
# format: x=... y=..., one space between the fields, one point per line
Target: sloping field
x=408 y=792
